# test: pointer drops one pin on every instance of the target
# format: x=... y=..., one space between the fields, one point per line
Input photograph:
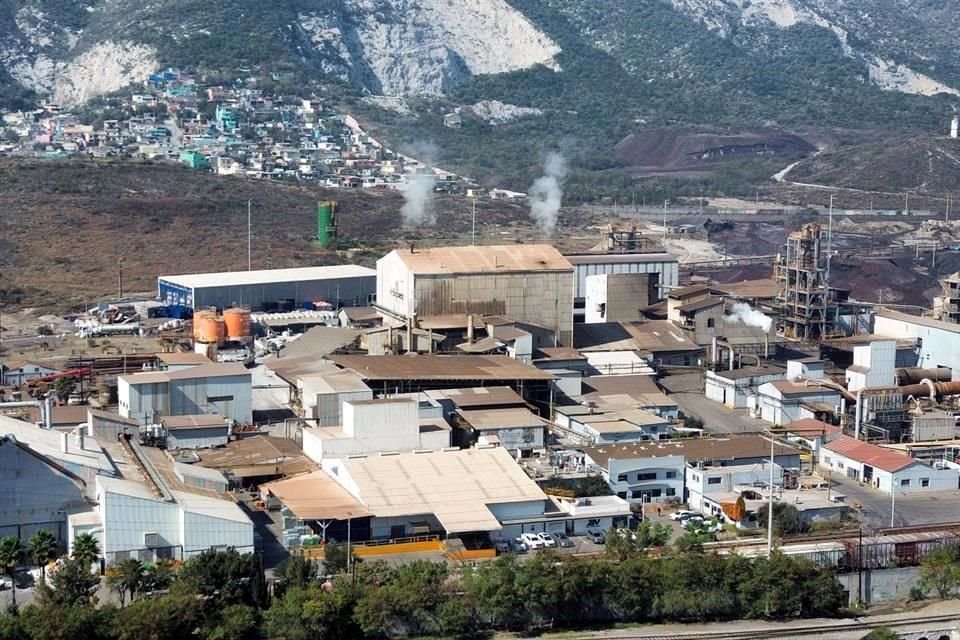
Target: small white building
x=515 y=429
x=884 y=469
x=223 y=388
x=938 y=341
x=628 y=425
x=196 y=432
x=22 y=371
x=710 y=487
x=874 y=366
x=735 y=387
x=782 y=401
x=375 y=426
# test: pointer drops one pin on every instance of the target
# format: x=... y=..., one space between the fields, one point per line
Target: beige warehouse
x=527 y=283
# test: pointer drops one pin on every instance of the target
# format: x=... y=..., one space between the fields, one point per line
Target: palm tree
x=43 y=548
x=126 y=577
x=11 y=552
x=86 y=549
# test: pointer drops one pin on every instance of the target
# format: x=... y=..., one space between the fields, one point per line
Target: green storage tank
x=326 y=223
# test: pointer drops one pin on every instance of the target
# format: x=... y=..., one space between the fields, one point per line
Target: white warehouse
x=591 y=264
x=223 y=388
x=939 y=340
x=269 y=289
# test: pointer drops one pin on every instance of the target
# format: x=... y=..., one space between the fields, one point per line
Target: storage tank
x=326 y=223
x=211 y=330
x=237 y=323
x=198 y=319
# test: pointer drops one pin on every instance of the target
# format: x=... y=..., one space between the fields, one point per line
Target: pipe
x=927 y=388
x=716 y=350
x=44 y=406
x=914 y=375
x=470 y=328
x=858 y=415
x=766 y=346
x=732 y=359
x=820 y=382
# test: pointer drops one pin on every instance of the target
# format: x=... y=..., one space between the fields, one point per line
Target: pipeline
x=927 y=388
x=916 y=375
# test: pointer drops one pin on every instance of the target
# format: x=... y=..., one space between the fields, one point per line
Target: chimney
x=470 y=328
x=64 y=442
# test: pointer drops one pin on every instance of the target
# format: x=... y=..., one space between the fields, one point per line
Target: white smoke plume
x=742 y=312
x=418 y=196
x=546 y=193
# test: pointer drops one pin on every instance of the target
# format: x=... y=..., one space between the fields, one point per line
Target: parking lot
x=915 y=509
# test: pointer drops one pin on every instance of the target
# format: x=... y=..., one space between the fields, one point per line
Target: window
x=839 y=465
x=671 y=475
x=905 y=482
x=714 y=480
x=655 y=493
x=671 y=492
x=212 y=399
x=711 y=323
x=826 y=459
x=622 y=494
x=622 y=477
x=646 y=476
x=924 y=482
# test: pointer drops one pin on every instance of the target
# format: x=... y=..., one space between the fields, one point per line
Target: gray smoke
x=546 y=193
x=418 y=196
x=742 y=312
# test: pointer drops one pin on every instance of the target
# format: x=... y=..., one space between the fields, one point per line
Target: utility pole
x=906 y=204
x=665 y=223
x=947 y=218
x=770 y=505
x=249 y=235
x=829 y=240
x=893 y=499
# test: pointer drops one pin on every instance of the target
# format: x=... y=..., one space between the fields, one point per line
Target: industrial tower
x=802 y=288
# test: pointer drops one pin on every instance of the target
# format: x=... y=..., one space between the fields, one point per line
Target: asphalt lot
x=916 y=509
x=686 y=390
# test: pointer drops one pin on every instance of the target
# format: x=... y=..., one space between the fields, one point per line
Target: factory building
x=592 y=264
x=939 y=341
x=214 y=388
x=884 y=469
x=271 y=289
x=526 y=283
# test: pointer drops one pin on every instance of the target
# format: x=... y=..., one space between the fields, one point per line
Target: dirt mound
x=659 y=151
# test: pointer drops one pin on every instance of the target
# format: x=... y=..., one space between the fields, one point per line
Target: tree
x=63 y=387
x=71 y=585
x=940 y=572
x=170 y=617
x=158 y=576
x=335 y=558
x=224 y=577
x=126 y=577
x=786 y=518
x=43 y=549
x=296 y=571
x=11 y=553
x=86 y=549
x=313 y=614
x=882 y=633
x=235 y=622
x=57 y=622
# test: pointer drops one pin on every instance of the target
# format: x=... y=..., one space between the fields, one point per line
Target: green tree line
x=222 y=595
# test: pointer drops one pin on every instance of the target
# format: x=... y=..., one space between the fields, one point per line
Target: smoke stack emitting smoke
x=545 y=193
x=742 y=312
x=418 y=196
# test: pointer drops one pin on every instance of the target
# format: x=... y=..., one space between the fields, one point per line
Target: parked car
x=692 y=522
x=547 y=540
x=682 y=515
x=596 y=536
x=502 y=546
x=532 y=541
x=626 y=534
x=562 y=539
x=518 y=546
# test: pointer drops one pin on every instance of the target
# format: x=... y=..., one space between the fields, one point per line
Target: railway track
x=934 y=623
x=844 y=534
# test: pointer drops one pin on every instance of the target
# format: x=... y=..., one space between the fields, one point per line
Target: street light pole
x=893 y=499
x=770 y=506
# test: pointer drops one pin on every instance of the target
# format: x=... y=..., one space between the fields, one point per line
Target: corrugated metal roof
x=708 y=449
x=512 y=418
x=619 y=258
x=484 y=259
x=481 y=396
x=925 y=322
x=316 y=496
x=870 y=454
x=268 y=276
x=203 y=421
x=439 y=367
x=653 y=336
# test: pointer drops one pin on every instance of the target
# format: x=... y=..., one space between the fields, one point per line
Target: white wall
x=940 y=346
x=668 y=478
x=395 y=285
x=127 y=518
x=383 y=425
x=596 y=295
x=701 y=483
x=202 y=532
x=914 y=475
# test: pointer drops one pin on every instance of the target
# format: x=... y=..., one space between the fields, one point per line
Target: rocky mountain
x=759 y=60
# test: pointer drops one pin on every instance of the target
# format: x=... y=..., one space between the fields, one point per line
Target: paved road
x=930 y=508
x=686 y=389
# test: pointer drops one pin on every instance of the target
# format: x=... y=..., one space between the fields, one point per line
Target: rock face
x=398 y=47
x=75 y=51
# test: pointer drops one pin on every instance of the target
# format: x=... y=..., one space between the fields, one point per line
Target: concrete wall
x=880 y=586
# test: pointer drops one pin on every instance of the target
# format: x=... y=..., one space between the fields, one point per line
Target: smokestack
x=470 y=328
x=732 y=358
x=954 y=126
x=766 y=346
x=47 y=412
x=64 y=442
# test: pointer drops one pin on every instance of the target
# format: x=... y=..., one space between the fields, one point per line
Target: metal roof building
x=271 y=289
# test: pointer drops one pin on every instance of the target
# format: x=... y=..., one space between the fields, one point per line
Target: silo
x=237 y=323
x=326 y=223
x=198 y=319
x=211 y=330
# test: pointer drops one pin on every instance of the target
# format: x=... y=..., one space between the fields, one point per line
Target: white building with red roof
x=885 y=469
